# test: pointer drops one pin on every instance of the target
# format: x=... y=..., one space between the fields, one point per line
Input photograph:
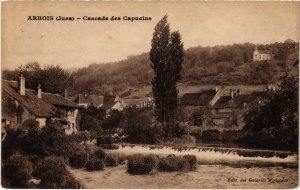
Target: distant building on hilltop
x=262 y=55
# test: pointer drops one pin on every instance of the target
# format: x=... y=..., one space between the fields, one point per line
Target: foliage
x=53 y=141
x=112 y=122
x=100 y=153
x=54 y=174
x=30 y=123
x=200 y=65
x=51 y=78
x=178 y=163
x=81 y=136
x=94 y=164
x=139 y=127
x=111 y=160
x=166 y=57
x=140 y=164
x=78 y=159
x=91 y=124
x=17 y=169
x=274 y=117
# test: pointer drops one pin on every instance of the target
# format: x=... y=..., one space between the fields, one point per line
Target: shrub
x=170 y=163
x=191 y=161
x=54 y=174
x=78 y=159
x=111 y=160
x=120 y=158
x=100 y=153
x=17 y=169
x=139 y=164
x=94 y=164
x=178 y=163
x=81 y=136
x=48 y=168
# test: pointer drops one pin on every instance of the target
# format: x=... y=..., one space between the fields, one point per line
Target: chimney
x=66 y=93
x=39 y=91
x=22 y=85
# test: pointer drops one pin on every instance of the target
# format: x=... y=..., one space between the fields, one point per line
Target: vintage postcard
x=149 y=95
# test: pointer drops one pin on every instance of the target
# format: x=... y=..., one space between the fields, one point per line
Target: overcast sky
x=80 y=43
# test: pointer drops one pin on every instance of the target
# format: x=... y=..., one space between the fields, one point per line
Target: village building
x=85 y=100
x=217 y=109
x=113 y=102
x=20 y=104
x=262 y=55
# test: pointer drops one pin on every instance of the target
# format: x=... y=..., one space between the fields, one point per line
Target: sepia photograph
x=149 y=94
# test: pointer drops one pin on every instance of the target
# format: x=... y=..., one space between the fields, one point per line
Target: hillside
x=218 y=65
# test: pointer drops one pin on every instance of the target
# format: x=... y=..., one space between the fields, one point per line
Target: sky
x=75 y=44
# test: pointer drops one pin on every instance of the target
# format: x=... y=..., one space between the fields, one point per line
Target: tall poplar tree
x=166 y=57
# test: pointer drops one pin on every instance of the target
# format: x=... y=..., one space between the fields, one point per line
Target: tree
x=274 y=117
x=166 y=57
x=52 y=78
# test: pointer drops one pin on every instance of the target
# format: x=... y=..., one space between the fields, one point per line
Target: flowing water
x=219 y=167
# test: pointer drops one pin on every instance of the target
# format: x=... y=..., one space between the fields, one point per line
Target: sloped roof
x=237 y=101
x=30 y=101
x=58 y=100
x=90 y=99
x=108 y=101
x=198 y=99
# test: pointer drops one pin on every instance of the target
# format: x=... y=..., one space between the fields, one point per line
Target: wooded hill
x=218 y=65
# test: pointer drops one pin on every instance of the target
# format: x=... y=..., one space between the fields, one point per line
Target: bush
x=81 y=136
x=94 y=164
x=100 y=153
x=54 y=174
x=170 y=163
x=17 y=169
x=178 y=163
x=139 y=164
x=111 y=160
x=120 y=158
x=191 y=161
x=49 y=167
x=78 y=159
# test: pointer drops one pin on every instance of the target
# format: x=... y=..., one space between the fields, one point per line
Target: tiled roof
x=198 y=99
x=30 y=101
x=237 y=101
x=58 y=100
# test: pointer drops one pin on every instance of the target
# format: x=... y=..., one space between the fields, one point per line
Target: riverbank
x=206 y=176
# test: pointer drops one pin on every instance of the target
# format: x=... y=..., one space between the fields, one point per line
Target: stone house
x=20 y=104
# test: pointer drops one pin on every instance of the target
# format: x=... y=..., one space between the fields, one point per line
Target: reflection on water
x=236 y=157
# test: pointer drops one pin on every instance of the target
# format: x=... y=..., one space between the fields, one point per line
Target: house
x=85 y=100
x=145 y=102
x=113 y=102
x=222 y=108
x=228 y=110
x=262 y=55
x=20 y=104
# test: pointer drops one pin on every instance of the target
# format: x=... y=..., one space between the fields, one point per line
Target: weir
x=216 y=155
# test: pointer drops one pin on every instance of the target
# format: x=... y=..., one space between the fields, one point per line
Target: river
x=218 y=167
